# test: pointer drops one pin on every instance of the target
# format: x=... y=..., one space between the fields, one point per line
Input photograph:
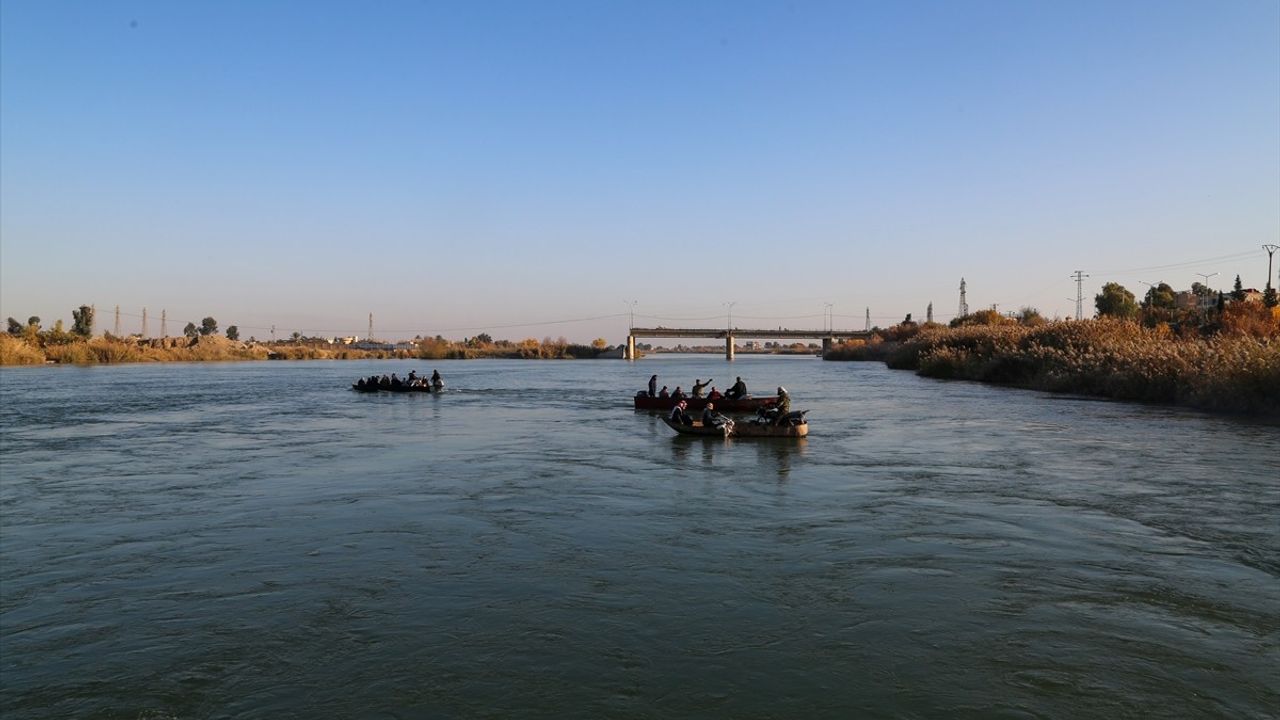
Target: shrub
x=16 y=351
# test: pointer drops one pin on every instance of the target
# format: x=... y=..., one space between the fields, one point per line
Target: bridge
x=729 y=334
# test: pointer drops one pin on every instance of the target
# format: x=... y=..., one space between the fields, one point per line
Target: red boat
x=746 y=403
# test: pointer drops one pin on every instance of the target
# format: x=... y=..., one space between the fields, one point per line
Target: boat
x=798 y=427
x=746 y=403
x=369 y=388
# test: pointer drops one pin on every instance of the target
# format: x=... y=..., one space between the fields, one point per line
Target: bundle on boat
x=792 y=425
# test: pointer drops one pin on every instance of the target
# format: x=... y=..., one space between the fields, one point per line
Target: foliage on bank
x=34 y=347
x=1228 y=371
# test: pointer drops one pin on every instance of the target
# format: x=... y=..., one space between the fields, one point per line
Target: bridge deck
x=775 y=334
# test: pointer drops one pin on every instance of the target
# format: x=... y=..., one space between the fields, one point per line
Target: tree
x=1269 y=298
x=15 y=327
x=208 y=326
x=296 y=336
x=83 y=321
x=600 y=344
x=1030 y=316
x=484 y=339
x=1160 y=296
x=233 y=333
x=190 y=330
x=34 y=321
x=1115 y=301
x=1237 y=290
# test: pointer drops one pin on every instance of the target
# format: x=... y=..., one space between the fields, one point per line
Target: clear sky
x=466 y=167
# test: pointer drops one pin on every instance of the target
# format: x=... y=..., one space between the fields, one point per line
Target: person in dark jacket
x=738 y=390
x=653 y=386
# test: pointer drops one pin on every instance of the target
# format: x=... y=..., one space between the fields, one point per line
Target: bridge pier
x=728 y=348
x=631 y=348
x=826 y=345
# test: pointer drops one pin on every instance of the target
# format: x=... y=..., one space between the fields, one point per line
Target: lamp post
x=1200 y=300
x=632 y=305
x=1271 y=249
x=730 y=305
x=828 y=317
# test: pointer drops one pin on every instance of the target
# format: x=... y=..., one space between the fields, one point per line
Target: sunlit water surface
x=255 y=540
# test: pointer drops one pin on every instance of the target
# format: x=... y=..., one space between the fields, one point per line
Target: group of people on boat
x=414 y=381
x=739 y=390
x=710 y=418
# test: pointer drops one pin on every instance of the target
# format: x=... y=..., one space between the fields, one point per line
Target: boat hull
x=741 y=429
x=746 y=404
x=394 y=389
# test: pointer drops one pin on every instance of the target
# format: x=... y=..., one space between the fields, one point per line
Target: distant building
x=1252 y=295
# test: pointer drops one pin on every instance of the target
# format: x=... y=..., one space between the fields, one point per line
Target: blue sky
x=457 y=168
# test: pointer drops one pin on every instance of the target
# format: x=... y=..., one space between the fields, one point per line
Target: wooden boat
x=742 y=404
x=394 y=388
x=743 y=429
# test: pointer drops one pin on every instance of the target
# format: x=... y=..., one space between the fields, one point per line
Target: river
x=255 y=540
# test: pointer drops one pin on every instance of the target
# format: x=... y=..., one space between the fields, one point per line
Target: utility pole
x=868 y=327
x=144 y=323
x=928 y=313
x=828 y=317
x=116 y=332
x=632 y=305
x=730 y=306
x=964 y=304
x=369 y=337
x=164 y=323
x=1271 y=249
x=273 y=333
x=1079 y=276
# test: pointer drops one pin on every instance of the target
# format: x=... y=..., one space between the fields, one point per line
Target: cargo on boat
x=723 y=404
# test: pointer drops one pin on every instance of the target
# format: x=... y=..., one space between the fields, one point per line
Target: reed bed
x=1110 y=358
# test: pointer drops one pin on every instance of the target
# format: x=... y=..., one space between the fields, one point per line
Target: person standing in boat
x=653 y=386
x=737 y=391
x=437 y=382
x=699 y=386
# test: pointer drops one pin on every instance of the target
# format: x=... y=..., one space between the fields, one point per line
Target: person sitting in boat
x=653 y=386
x=737 y=391
x=385 y=382
x=678 y=414
x=663 y=392
x=714 y=394
x=437 y=382
x=698 y=387
x=678 y=393
x=711 y=418
x=413 y=375
x=784 y=405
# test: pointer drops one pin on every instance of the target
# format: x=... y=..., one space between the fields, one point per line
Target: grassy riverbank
x=35 y=349
x=1227 y=371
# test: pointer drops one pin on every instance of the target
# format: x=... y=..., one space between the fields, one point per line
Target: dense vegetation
x=29 y=344
x=1230 y=360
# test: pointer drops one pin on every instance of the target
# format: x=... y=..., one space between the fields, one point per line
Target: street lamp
x=730 y=306
x=828 y=317
x=632 y=304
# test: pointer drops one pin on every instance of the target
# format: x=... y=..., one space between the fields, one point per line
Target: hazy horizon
x=531 y=170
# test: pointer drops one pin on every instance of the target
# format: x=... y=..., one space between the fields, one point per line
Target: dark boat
x=402 y=388
x=723 y=404
x=795 y=427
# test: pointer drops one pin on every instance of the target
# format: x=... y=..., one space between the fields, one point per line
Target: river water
x=254 y=540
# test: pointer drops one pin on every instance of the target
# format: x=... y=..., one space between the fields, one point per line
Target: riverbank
x=1106 y=358
x=20 y=350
